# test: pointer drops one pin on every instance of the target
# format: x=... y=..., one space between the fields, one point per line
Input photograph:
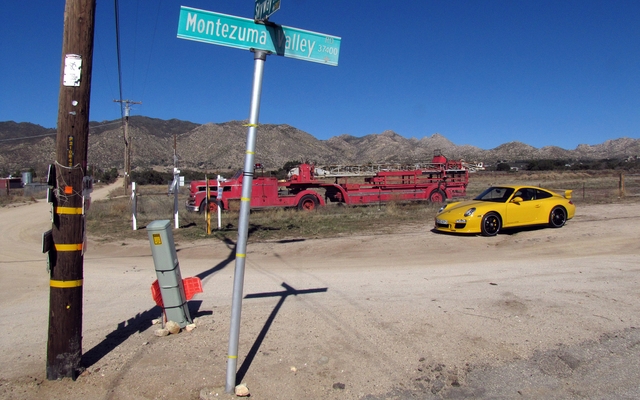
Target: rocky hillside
x=222 y=146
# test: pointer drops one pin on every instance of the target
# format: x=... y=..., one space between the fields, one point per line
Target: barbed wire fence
x=600 y=189
x=149 y=204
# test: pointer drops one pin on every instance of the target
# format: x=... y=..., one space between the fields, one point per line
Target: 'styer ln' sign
x=264 y=9
x=243 y=33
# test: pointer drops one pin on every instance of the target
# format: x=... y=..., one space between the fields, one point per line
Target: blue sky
x=482 y=73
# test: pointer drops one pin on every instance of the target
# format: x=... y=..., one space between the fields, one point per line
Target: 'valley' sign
x=243 y=33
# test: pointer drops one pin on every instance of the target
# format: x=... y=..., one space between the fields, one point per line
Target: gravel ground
x=535 y=313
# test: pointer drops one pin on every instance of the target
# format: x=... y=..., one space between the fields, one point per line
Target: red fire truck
x=308 y=187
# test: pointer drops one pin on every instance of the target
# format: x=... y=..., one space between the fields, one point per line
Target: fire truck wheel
x=437 y=196
x=308 y=202
x=213 y=207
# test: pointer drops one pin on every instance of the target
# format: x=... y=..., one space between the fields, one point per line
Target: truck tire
x=213 y=206
x=308 y=202
x=437 y=196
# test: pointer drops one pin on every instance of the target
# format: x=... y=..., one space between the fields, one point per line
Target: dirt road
x=539 y=313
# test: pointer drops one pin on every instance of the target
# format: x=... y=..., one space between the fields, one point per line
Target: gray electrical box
x=165 y=259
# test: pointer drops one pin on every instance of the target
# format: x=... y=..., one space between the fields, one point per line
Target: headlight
x=442 y=208
x=470 y=212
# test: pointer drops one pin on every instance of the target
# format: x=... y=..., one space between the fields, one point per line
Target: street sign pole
x=262 y=39
x=260 y=57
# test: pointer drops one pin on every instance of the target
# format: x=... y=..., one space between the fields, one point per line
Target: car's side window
x=541 y=194
x=525 y=194
x=529 y=194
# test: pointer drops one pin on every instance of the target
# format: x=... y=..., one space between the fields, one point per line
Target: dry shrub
x=391 y=208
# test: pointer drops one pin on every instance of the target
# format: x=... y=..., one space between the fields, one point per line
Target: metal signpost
x=262 y=39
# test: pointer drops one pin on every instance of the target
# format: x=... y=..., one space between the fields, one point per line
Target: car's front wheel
x=491 y=224
x=557 y=217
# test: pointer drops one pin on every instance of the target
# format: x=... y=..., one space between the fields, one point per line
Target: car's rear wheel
x=557 y=217
x=308 y=202
x=491 y=224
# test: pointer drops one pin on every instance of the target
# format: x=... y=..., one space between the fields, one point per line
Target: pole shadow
x=278 y=38
x=222 y=264
x=139 y=323
x=142 y=321
x=125 y=329
x=289 y=291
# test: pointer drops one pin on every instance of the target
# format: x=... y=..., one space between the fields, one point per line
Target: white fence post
x=134 y=206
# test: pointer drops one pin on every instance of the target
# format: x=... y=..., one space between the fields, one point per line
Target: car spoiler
x=567 y=194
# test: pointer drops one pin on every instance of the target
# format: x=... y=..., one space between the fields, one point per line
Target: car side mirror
x=517 y=200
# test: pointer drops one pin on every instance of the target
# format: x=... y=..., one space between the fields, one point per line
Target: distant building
x=9 y=183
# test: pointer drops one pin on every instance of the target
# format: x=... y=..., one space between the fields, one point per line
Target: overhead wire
x=117 y=15
x=94 y=127
x=153 y=39
x=135 y=46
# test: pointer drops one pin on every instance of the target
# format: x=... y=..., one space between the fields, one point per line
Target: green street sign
x=264 y=9
x=243 y=33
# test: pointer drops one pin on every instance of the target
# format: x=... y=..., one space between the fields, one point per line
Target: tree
x=503 y=167
x=288 y=166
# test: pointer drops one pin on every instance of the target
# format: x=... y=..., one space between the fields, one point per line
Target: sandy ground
x=537 y=313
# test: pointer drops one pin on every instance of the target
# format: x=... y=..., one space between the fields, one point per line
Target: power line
x=28 y=137
x=55 y=133
x=117 y=15
x=153 y=39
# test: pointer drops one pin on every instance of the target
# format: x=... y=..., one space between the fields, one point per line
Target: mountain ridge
x=215 y=146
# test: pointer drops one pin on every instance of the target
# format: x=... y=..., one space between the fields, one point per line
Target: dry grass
x=111 y=219
x=15 y=196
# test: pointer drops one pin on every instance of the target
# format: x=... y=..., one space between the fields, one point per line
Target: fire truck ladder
x=331 y=171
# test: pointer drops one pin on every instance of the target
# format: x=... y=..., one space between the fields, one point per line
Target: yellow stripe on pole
x=232 y=357
x=241 y=255
x=65 y=284
x=245 y=199
x=69 y=210
x=251 y=125
x=250 y=152
x=69 y=247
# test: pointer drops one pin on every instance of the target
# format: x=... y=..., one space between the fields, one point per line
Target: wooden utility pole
x=64 y=345
x=128 y=143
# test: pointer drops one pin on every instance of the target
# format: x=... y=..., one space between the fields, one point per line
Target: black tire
x=437 y=196
x=203 y=204
x=491 y=224
x=308 y=202
x=557 y=217
x=213 y=206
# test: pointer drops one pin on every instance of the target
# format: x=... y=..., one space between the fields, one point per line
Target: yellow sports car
x=506 y=207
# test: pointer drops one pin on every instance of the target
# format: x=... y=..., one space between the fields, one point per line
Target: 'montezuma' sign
x=227 y=30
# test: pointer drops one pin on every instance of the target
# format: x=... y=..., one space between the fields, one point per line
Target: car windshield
x=497 y=194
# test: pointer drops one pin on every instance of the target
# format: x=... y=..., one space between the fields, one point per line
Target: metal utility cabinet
x=165 y=259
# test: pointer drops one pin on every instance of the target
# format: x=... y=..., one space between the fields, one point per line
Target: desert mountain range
x=216 y=146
